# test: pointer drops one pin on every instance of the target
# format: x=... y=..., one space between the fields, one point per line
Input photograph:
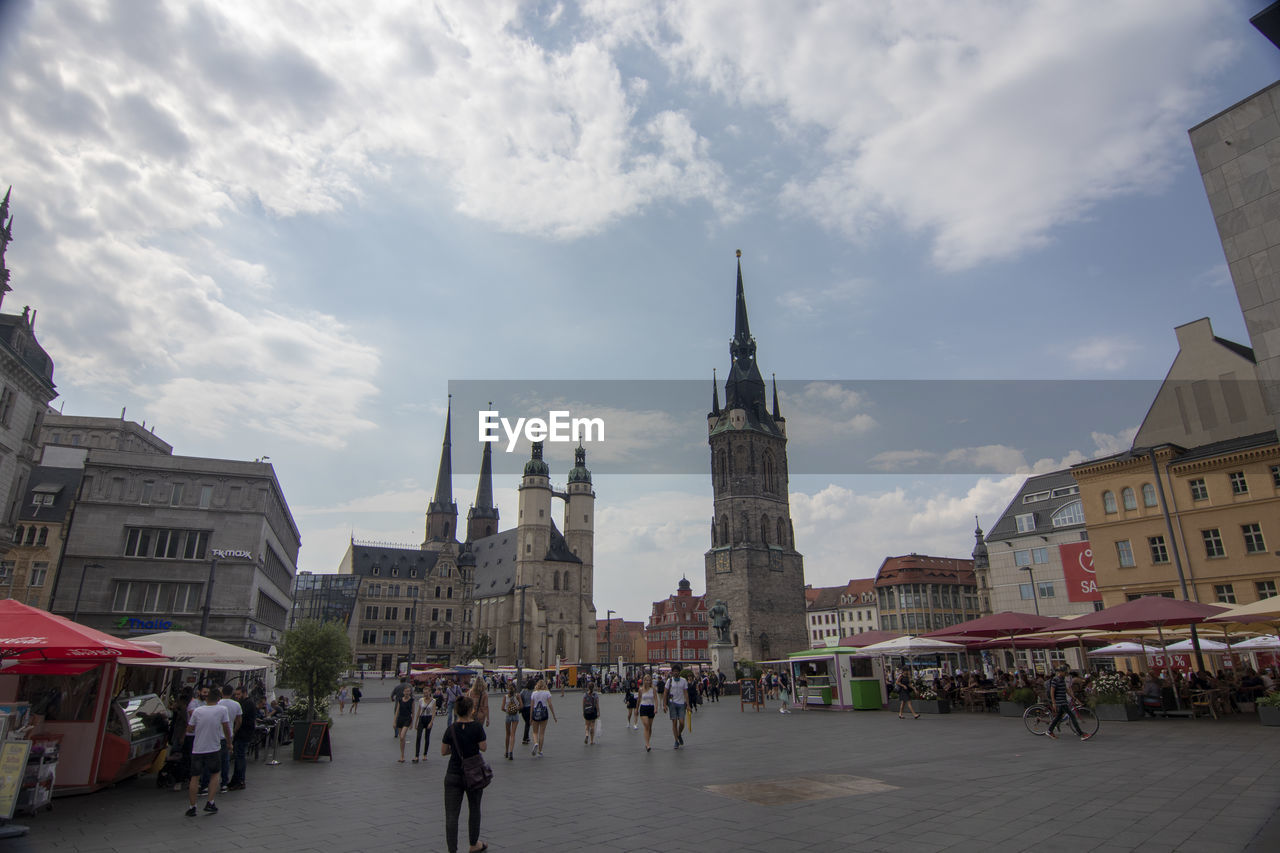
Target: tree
x=481 y=648
x=313 y=655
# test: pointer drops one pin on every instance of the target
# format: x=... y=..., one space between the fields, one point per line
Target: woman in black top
x=404 y=717
x=903 y=686
x=468 y=737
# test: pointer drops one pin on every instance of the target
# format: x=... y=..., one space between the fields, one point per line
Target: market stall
x=69 y=676
x=839 y=679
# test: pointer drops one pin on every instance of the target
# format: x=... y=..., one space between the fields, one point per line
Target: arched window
x=1109 y=501
x=43 y=538
x=782 y=534
x=764 y=530
x=1128 y=498
x=724 y=530
x=555 y=580
x=560 y=650
x=566 y=580
x=770 y=473
x=1068 y=515
x=31 y=535
x=715 y=534
x=722 y=469
x=437 y=592
x=744 y=525
x=17 y=534
x=1148 y=494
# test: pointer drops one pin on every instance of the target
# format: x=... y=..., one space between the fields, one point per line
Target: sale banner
x=1170 y=661
x=1077 y=569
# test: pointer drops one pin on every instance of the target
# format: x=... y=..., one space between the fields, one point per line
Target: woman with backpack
x=511 y=707
x=540 y=708
x=590 y=712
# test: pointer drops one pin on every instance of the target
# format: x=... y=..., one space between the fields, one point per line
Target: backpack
x=589 y=706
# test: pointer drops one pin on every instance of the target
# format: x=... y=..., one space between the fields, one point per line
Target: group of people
x=212 y=729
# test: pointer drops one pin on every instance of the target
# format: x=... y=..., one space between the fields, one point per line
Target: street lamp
x=208 y=599
x=608 y=637
x=84 y=570
x=520 y=643
x=1035 y=600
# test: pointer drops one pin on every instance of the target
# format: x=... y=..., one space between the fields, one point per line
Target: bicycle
x=1037 y=718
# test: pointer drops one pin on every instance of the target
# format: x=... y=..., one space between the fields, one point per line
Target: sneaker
x=210 y=807
x=677 y=746
x=1052 y=735
x=681 y=739
x=203 y=790
x=235 y=786
x=1086 y=737
x=223 y=789
x=534 y=751
x=191 y=812
x=177 y=786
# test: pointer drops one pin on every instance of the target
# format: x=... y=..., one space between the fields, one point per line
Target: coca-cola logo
x=96 y=653
x=23 y=641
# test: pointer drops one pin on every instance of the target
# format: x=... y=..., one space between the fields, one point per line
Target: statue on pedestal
x=720 y=621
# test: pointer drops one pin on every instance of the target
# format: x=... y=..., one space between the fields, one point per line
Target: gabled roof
x=1007 y=526
x=405 y=558
x=496 y=563
x=826 y=598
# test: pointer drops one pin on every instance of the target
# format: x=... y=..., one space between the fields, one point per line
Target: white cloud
x=983 y=124
x=1102 y=354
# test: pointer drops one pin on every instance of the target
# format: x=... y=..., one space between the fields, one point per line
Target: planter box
x=1269 y=715
x=931 y=706
x=1012 y=709
x=1127 y=712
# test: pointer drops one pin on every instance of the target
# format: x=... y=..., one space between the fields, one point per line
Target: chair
x=1202 y=701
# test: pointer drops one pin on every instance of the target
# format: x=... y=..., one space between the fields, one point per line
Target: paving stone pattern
x=827 y=781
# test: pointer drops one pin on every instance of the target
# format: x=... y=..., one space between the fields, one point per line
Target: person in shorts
x=674 y=699
x=209 y=725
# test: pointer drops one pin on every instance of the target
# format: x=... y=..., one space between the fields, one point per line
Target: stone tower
x=753 y=564
x=442 y=512
x=482 y=518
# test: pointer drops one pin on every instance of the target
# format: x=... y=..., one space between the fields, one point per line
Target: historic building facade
x=917 y=593
x=677 y=629
x=28 y=570
x=753 y=564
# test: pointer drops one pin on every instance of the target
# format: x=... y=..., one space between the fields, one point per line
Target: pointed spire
x=484 y=489
x=742 y=341
x=482 y=518
x=777 y=410
x=442 y=512
x=744 y=389
x=715 y=394
x=981 y=557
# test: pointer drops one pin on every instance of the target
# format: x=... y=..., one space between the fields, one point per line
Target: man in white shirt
x=674 y=698
x=208 y=724
x=233 y=717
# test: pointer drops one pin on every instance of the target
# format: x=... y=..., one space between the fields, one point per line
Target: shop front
x=837 y=679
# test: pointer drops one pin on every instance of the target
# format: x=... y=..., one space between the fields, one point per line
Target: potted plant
x=925 y=699
x=1014 y=701
x=1112 y=698
x=312 y=656
x=1269 y=709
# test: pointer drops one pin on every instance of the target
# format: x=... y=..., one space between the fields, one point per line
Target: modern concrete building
x=753 y=565
x=1238 y=153
x=162 y=542
x=678 y=628
x=1039 y=556
x=26 y=387
x=917 y=593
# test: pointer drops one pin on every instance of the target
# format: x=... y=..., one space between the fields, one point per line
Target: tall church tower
x=579 y=533
x=442 y=512
x=482 y=518
x=753 y=565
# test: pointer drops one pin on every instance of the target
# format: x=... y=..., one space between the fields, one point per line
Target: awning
x=35 y=667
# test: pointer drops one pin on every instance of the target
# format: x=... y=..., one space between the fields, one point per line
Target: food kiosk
x=838 y=679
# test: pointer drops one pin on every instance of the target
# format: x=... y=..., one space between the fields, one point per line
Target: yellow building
x=1223 y=523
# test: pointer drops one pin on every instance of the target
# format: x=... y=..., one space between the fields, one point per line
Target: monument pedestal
x=722 y=659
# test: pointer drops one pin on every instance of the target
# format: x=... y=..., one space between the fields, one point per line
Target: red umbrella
x=28 y=633
x=1150 y=611
x=866 y=638
x=1006 y=624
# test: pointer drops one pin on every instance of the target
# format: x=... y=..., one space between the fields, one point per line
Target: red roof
x=858 y=586
x=921 y=568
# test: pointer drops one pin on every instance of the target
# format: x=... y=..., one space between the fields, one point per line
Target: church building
x=753 y=564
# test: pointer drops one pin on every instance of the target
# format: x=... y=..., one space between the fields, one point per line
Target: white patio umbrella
x=1125 y=648
x=1257 y=644
x=909 y=647
x=1205 y=644
x=196 y=652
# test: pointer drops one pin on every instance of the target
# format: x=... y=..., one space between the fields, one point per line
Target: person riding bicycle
x=1061 y=696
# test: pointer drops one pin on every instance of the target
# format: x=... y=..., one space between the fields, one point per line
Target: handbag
x=476 y=772
x=539 y=713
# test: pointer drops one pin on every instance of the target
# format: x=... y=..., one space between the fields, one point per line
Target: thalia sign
x=560 y=426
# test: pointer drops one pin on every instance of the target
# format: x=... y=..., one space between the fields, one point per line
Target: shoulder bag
x=476 y=772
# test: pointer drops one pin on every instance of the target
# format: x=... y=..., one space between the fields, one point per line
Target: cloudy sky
x=285 y=228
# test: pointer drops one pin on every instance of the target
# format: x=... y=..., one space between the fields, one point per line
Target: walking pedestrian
x=526 y=702
x=356 y=695
x=802 y=690
x=511 y=707
x=674 y=700
x=784 y=692
x=480 y=702
x=539 y=709
x=452 y=694
x=902 y=684
x=344 y=696
x=590 y=713
x=1062 y=694
x=210 y=726
x=424 y=716
x=233 y=717
x=647 y=697
x=396 y=692
x=463 y=739
x=402 y=708
x=629 y=698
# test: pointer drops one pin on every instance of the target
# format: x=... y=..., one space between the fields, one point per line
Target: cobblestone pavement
x=826 y=781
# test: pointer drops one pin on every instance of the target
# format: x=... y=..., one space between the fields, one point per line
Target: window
x=1129 y=499
x=431 y=640
x=1045 y=589
x=1039 y=556
x=1159 y=552
x=1239 y=486
x=148 y=486
x=448 y=614
x=1253 y=541
x=1148 y=494
x=1034 y=497
x=437 y=592
x=7 y=396
x=391 y=613
x=1021 y=558
x=1225 y=593
x=1068 y=515
x=1213 y=543
x=375 y=590
x=271 y=612
x=1275 y=476
x=1026 y=522
x=6 y=572
x=1025 y=590
x=404 y=638
x=147 y=597
x=1066 y=491
x=1109 y=502
x=368 y=637
x=447 y=635
x=167 y=544
x=1199 y=491
x=175 y=499
x=448 y=593
x=1125 y=552
x=1266 y=589
x=39 y=571
x=388 y=638
x=371 y=611
x=206 y=496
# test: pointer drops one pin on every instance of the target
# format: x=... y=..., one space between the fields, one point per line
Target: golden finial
x=739 y=253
